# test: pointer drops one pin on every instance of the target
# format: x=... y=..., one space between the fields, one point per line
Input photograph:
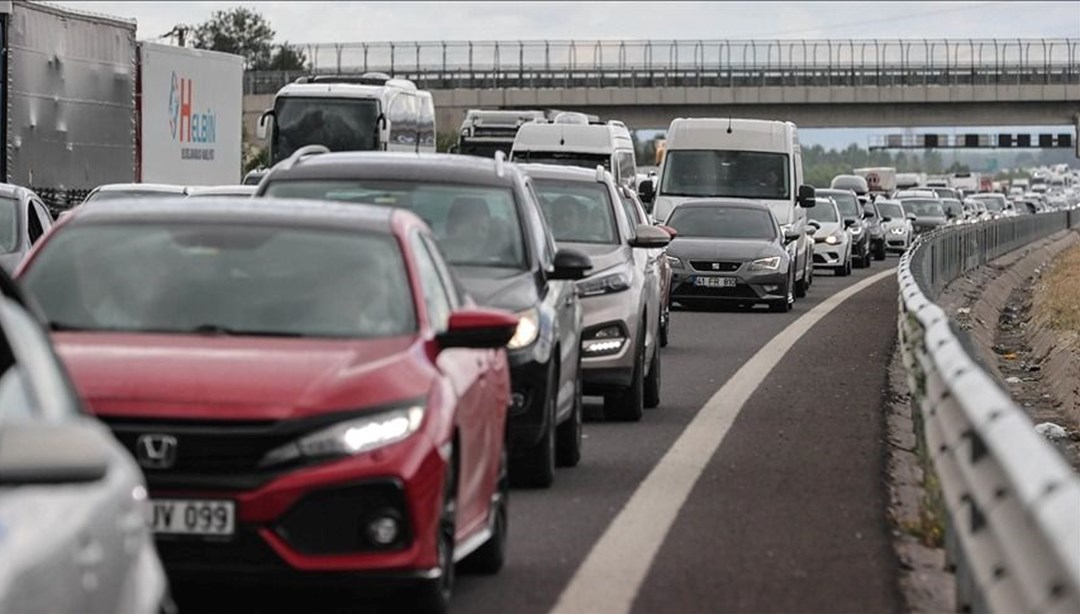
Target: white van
x=572 y=140
x=738 y=158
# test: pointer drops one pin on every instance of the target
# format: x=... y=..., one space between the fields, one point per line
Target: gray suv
x=621 y=297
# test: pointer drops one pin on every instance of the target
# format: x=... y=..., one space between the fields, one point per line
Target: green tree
x=956 y=167
x=246 y=33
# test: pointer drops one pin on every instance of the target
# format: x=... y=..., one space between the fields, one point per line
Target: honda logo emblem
x=156 y=451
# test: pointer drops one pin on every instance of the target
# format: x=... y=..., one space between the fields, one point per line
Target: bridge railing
x=1012 y=503
x=714 y=63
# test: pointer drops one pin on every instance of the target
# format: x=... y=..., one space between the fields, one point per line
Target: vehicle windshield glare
x=577 y=212
x=474 y=225
x=722 y=223
x=224 y=278
x=9 y=224
x=341 y=124
x=733 y=174
x=825 y=211
x=891 y=210
x=564 y=158
x=924 y=207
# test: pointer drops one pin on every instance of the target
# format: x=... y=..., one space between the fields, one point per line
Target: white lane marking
x=609 y=578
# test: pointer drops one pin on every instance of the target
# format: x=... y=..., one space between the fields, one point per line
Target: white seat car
x=832 y=241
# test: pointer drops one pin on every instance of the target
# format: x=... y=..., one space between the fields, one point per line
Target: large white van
x=571 y=139
x=738 y=158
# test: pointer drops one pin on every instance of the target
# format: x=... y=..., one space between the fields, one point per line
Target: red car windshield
x=222 y=279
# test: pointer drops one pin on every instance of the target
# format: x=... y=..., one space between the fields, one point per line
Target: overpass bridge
x=815 y=83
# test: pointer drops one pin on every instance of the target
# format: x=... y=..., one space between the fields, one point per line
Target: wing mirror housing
x=262 y=126
x=478 y=328
x=791 y=235
x=806 y=197
x=911 y=216
x=647 y=192
x=650 y=237
x=570 y=264
x=668 y=229
x=849 y=222
x=53 y=453
x=811 y=229
x=886 y=219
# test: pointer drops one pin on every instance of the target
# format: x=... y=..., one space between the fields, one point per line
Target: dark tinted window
x=577 y=211
x=890 y=210
x=923 y=207
x=341 y=124
x=846 y=203
x=722 y=223
x=33 y=229
x=230 y=278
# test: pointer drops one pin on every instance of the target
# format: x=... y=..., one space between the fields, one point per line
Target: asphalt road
x=788 y=514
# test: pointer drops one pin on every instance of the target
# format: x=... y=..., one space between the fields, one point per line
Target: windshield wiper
x=217 y=329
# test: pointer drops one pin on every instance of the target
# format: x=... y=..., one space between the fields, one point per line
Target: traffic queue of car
x=333 y=378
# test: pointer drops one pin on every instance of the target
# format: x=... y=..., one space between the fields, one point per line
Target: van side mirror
x=263 y=125
x=807 y=197
x=570 y=264
x=647 y=192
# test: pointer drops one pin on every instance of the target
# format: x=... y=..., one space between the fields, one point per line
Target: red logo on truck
x=185 y=125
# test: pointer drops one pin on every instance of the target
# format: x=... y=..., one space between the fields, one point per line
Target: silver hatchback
x=620 y=345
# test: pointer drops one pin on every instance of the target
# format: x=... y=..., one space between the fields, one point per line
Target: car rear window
x=474 y=225
x=222 y=278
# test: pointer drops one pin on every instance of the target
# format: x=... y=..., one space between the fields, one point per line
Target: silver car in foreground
x=620 y=338
x=73 y=507
x=23 y=220
x=832 y=242
x=733 y=251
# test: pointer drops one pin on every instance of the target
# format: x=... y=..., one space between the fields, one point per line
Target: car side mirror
x=886 y=219
x=911 y=216
x=791 y=235
x=478 y=328
x=849 y=222
x=811 y=229
x=806 y=198
x=668 y=229
x=570 y=264
x=650 y=237
x=647 y=193
x=53 y=453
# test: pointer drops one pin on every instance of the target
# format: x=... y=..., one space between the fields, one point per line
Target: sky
x=350 y=22
x=329 y=22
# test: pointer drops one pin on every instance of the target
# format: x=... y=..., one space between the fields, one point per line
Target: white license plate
x=192 y=516
x=715 y=282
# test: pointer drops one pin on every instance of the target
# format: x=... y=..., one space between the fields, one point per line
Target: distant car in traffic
x=929 y=213
x=498 y=244
x=832 y=241
x=73 y=503
x=954 y=211
x=996 y=205
x=896 y=224
x=850 y=209
x=874 y=229
x=621 y=296
x=731 y=251
x=310 y=396
x=24 y=219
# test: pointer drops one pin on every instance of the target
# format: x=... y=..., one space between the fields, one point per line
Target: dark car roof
x=740 y=203
x=240 y=209
x=428 y=167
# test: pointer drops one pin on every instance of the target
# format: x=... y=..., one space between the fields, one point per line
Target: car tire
x=433 y=596
x=784 y=306
x=665 y=324
x=537 y=468
x=801 y=286
x=490 y=558
x=880 y=254
x=629 y=405
x=652 y=382
x=568 y=435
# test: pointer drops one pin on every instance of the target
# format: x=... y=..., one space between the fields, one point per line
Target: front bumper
x=829 y=256
x=309 y=525
x=897 y=243
x=610 y=372
x=749 y=286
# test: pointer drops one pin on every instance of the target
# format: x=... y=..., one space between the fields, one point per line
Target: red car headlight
x=351 y=437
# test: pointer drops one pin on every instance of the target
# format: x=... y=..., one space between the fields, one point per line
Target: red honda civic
x=310 y=395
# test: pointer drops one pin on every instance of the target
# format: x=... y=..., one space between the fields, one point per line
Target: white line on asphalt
x=608 y=580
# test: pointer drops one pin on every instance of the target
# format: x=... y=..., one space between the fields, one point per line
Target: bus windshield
x=341 y=124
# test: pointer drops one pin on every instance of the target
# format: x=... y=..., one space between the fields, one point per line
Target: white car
x=115 y=191
x=73 y=507
x=223 y=190
x=897 y=225
x=832 y=241
x=24 y=218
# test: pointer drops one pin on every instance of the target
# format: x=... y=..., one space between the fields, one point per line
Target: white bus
x=371 y=112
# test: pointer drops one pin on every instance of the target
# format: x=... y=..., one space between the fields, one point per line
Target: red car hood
x=194 y=377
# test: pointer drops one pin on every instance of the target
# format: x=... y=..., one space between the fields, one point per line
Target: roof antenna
x=729 y=123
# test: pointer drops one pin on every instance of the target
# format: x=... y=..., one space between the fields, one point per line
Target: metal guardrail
x=701 y=63
x=1012 y=502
